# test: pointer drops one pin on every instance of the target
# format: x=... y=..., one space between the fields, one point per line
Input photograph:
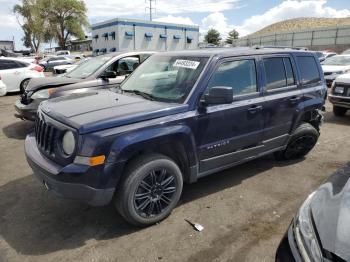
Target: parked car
x=323 y=55
x=3 y=89
x=346 y=52
x=179 y=117
x=335 y=66
x=339 y=95
x=63 y=53
x=49 y=63
x=320 y=230
x=62 y=69
x=105 y=71
x=16 y=74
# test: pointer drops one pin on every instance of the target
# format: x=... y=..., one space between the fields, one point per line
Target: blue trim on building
x=114 y=23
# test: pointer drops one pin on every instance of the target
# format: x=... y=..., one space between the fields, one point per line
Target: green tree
x=232 y=35
x=67 y=18
x=212 y=37
x=33 y=22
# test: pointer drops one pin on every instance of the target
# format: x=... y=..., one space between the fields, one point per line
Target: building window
x=163 y=36
x=129 y=34
x=148 y=35
x=189 y=39
x=105 y=35
x=112 y=34
x=177 y=37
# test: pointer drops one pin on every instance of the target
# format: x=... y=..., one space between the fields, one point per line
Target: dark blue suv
x=180 y=116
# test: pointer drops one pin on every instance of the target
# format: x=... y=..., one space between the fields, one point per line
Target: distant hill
x=302 y=23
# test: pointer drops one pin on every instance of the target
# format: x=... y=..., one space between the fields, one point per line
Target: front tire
x=150 y=190
x=339 y=111
x=300 y=144
x=23 y=85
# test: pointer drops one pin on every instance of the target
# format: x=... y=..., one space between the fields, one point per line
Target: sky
x=246 y=16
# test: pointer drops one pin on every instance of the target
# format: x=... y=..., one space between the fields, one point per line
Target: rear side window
x=308 y=70
x=240 y=75
x=22 y=64
x=8 y=64
x=278 y=72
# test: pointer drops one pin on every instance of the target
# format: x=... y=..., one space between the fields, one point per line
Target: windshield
x=166 y=78
x=89 y=67
x=337 y=60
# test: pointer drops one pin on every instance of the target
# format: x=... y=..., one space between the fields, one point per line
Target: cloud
x=290 y=9
x=115 y=8
x=175 y=19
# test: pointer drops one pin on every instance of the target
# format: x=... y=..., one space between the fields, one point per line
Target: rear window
x=308 y=70
x=278 y=72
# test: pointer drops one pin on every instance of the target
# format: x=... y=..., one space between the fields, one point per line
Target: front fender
x=127 y=145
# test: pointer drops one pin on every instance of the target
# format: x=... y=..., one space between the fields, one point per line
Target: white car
x=2 y=88
x=16 y=73
x=335 y=66
x=62 y=69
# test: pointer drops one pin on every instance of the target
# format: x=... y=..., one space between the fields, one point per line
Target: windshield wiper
x=140 y=93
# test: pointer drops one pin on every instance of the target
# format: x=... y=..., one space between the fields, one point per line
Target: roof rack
x=280 y=47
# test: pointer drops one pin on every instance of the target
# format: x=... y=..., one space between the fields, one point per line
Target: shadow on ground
x=18 y=130
x=35 y=222
x=329 y=117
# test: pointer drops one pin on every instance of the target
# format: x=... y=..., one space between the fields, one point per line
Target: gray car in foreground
x=104 y=71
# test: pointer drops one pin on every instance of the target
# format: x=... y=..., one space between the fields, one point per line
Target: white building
x=131 y=34
x=7 y=45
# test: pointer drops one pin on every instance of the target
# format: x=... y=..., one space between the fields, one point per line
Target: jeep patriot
x=180 y=116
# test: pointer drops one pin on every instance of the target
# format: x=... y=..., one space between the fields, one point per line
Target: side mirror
x=219 y=95
x=108 y=74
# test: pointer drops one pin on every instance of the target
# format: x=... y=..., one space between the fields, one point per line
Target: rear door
x=283 y=99
x=230 y=133
x=12 y=73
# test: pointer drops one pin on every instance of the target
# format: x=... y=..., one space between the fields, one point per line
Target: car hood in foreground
x=94 y=111
x=334 y=68
x=49 y=82
x=331 y=212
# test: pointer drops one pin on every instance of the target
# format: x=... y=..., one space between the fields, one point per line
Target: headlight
x=68 y=143
x=305 y=234
x=42 y=94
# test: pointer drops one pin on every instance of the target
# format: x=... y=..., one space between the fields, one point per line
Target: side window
x=278 y=72
x=289 y=71
x=308 y=70
x=240 y=75
x=21 y=64
x=8 y=64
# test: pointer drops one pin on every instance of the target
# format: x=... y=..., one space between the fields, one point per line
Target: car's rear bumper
x=27 y=112
x=52 y=176
x=342 y=101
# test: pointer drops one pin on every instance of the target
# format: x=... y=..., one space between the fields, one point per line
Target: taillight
x=37 y=68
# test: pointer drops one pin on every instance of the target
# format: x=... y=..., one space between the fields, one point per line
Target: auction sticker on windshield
x=186 y=64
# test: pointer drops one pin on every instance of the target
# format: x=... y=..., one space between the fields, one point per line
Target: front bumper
x=342 y=101
x=27 y=112
x=287 y=249
x=54 y=177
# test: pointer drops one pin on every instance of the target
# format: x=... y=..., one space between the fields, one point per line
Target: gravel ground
x=244 y=210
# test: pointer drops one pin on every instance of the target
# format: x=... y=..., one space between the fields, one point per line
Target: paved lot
x=244 y=210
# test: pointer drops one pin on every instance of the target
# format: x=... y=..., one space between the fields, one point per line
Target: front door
x=230 y=133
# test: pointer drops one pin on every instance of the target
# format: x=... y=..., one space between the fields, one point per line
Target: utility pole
x=151 y=8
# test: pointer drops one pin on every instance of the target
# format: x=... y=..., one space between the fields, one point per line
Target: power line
x=151 y=8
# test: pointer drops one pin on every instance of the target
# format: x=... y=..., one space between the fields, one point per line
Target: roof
x=143 y=23
x=236 y=51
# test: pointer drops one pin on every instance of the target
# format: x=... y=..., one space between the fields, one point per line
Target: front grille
x=45 y=135
x=328 y=73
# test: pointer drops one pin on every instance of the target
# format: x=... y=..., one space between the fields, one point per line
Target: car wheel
x=151 y=188
x=339 y=111
x=23 y=85
x=300 y=144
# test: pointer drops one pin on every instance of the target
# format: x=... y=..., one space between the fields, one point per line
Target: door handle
x=254 y=109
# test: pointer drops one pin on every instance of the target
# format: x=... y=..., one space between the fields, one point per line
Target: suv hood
x=47 y=82
x=334 y=68
x=94 y=111
x=331 y=212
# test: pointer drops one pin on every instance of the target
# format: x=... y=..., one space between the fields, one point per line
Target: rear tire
x=150 y=190
x=23 y=85
x=300 y=144
x=339 y=111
